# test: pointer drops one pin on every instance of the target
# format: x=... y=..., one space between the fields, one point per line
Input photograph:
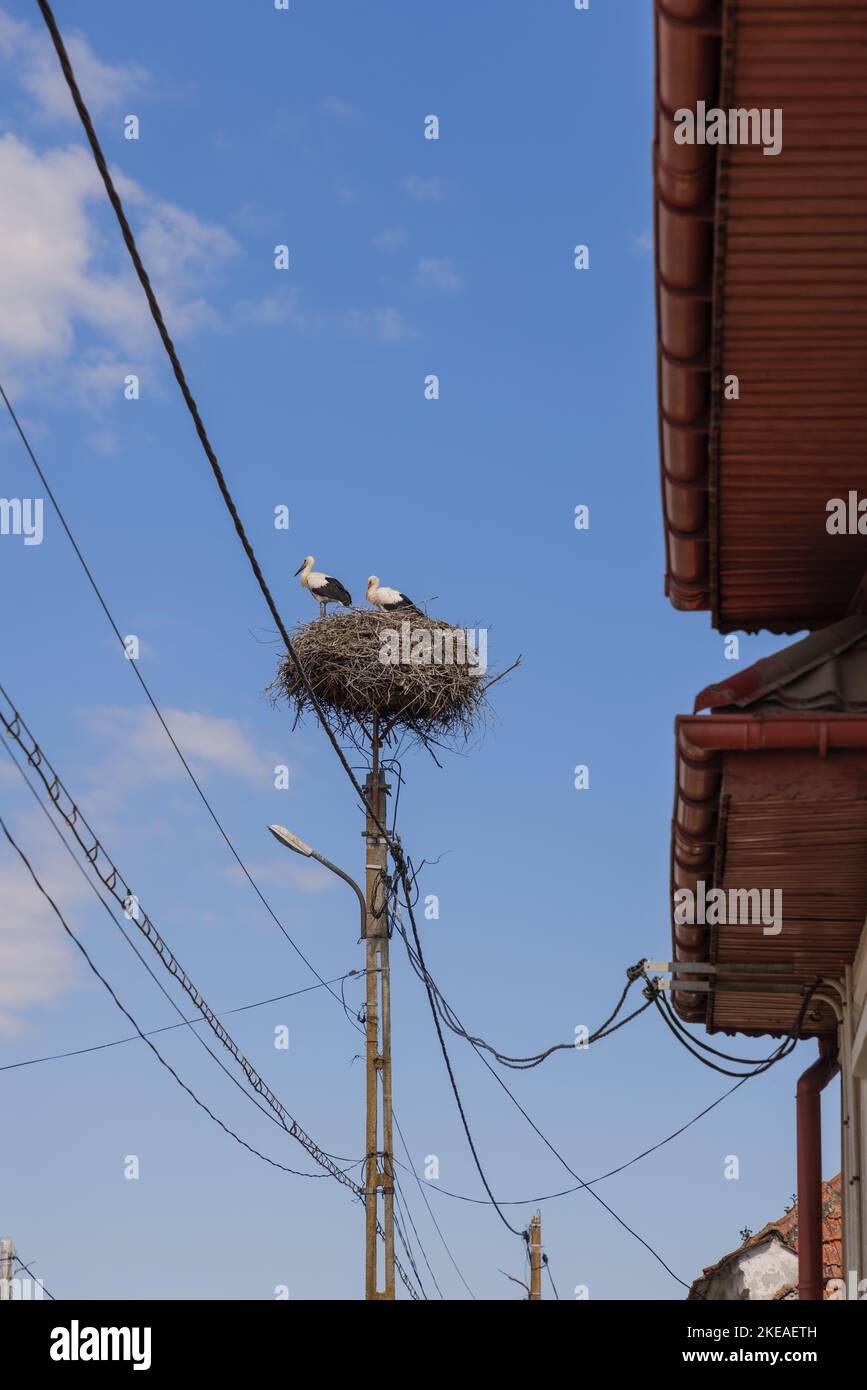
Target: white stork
x=322 y=587
x=390 y=600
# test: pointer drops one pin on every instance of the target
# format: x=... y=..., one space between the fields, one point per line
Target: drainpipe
x=809 y=1122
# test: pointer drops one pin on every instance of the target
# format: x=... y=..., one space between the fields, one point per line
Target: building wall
x=758 y=1273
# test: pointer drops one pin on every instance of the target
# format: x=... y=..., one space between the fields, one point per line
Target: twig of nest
x=433 y=691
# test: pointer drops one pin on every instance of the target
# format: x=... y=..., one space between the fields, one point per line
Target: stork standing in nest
x=323 y=587
x=390 y=600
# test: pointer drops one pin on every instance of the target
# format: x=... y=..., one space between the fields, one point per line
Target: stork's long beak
x=298 y=571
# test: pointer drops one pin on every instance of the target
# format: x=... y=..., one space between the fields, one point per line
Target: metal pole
x=379 y=1179
x=536 y=1258
x=7 y=1261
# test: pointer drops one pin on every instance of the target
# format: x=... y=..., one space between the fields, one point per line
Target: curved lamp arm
x=290 y=841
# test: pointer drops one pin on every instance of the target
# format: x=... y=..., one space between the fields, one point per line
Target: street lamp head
x=289 y=840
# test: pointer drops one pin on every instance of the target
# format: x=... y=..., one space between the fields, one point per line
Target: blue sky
x=407 y=257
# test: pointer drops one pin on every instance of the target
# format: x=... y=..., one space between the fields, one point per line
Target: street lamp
x=293 y=842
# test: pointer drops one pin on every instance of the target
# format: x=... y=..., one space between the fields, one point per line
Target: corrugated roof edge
x=700 y=739
x=688 y=46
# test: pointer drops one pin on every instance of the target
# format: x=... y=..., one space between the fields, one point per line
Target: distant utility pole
x=7 y=1261
x=535 y=1248
x=379 y=1167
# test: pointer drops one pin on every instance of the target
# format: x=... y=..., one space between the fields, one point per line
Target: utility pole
x=535 y=1248
x=379 y=1167
x=7 y=1261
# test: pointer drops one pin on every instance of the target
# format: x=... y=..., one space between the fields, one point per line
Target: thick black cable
x=786 y=1046
x=550 y=1276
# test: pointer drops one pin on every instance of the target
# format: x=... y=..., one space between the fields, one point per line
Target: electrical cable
x=169 y=1027
x=550 y=1276
x=421 y=1185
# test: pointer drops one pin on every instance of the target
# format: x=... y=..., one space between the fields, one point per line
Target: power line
x=401 y=1209
x=567 y=1191
x=451 y=1020
x=406 y=1208
x=421 y=1186
x=169 y=1027
x=788 y=1044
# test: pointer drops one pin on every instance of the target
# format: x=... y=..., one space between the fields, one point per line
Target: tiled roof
x=785 y=1229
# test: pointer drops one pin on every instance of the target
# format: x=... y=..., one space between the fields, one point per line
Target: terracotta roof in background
x=761 y=271
x=786 y=1231
x=806 y=675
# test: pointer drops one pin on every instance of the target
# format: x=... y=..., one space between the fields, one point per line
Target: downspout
x=809 y=1124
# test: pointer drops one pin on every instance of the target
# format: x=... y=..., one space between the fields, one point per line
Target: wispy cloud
x=307 y=878
x=381 y=325
x=337 y=107
x=53 y=285
x=644 y=242
x=432 y=190
x=438 y=274
x=390 y=239
x=210 y=743
x=37 y=965
x=30 y=55
x=283 y=308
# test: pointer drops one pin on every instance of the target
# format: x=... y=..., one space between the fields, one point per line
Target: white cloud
x=432 y=190
x=30 y=54
x=208 y=742
x=644 y=242
x=52 y=285
x=438 y=274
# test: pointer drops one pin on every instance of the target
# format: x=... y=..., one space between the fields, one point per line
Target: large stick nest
x=341 y=658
